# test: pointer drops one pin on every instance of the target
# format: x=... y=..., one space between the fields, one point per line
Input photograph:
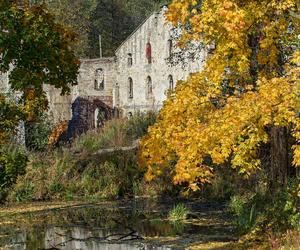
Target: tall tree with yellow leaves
x=247 y=96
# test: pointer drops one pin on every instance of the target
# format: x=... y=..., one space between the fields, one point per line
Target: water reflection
x=89 y=228
x=76 y=238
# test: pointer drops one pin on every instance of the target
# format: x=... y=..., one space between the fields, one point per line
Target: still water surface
x=116 y=226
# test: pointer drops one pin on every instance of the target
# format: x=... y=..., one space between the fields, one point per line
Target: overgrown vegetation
x=37 y=133
x=229 y=132
x=260 y=211
x=13 y=162
x=84 y=171
x=115 y=133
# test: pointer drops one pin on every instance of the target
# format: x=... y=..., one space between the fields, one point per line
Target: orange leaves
x=221 y=114
x=57 y=132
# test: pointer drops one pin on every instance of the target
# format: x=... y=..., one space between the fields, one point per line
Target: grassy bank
x=84 y=171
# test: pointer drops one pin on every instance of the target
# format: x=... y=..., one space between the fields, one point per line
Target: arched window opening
x=96 y=121
x=170 y=48
x=171 y=82
x=149 y=87
x=117 y=87
x=149 y=53
x=130 y=88
x=129 y=60
x=99 y=79
x=99 y=117
x=116 y=95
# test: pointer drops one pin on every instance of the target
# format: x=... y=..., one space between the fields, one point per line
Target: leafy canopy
x=249 y=84
x=35 y=50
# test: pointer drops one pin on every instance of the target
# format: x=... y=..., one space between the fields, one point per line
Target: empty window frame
x=171 y=82
x=129 y=60
x=99 y=79
x=149 y=88
x=130 y=88
x=149 y=52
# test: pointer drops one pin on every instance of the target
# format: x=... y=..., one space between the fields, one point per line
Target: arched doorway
x=96 y=121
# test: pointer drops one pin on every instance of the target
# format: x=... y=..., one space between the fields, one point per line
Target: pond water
x=113 y=226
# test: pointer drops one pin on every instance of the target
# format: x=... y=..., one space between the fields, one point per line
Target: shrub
x=277 y=212
x=245 y=208
x=12 y=164
x=179 y=212
x=37 y=133
x=284 y=211
x=104 y=180
x=56 y=187
x=24 y=192
x=138 y=125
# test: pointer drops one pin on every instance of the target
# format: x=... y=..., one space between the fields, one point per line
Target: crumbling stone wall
x=85 y=117
x=60 y=107
x=88 y=75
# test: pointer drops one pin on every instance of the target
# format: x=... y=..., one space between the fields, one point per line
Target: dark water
x=116 y=226
x=111 y=226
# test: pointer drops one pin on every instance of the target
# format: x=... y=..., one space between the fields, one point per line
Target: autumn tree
x=246 y=98
x=35 y=50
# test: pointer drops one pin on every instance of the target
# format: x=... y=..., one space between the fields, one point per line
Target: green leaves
x=35 y=50
x=10 y=115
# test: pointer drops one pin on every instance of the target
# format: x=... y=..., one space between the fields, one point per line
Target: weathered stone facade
x=60 y=107
x=139 y=76
x=135 y=80
x=149 y=70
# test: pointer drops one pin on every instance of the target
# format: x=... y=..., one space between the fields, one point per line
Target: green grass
x=115 y=133
x=179 y=212
x=78 y=171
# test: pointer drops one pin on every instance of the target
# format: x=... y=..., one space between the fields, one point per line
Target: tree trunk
x=280 y=154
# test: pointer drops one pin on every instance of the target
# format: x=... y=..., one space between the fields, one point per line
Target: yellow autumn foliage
x=202 y=120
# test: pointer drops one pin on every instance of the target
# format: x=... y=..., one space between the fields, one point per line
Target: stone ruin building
x=136 y=79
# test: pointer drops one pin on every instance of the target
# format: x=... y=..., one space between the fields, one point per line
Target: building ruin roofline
x=138 y=27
